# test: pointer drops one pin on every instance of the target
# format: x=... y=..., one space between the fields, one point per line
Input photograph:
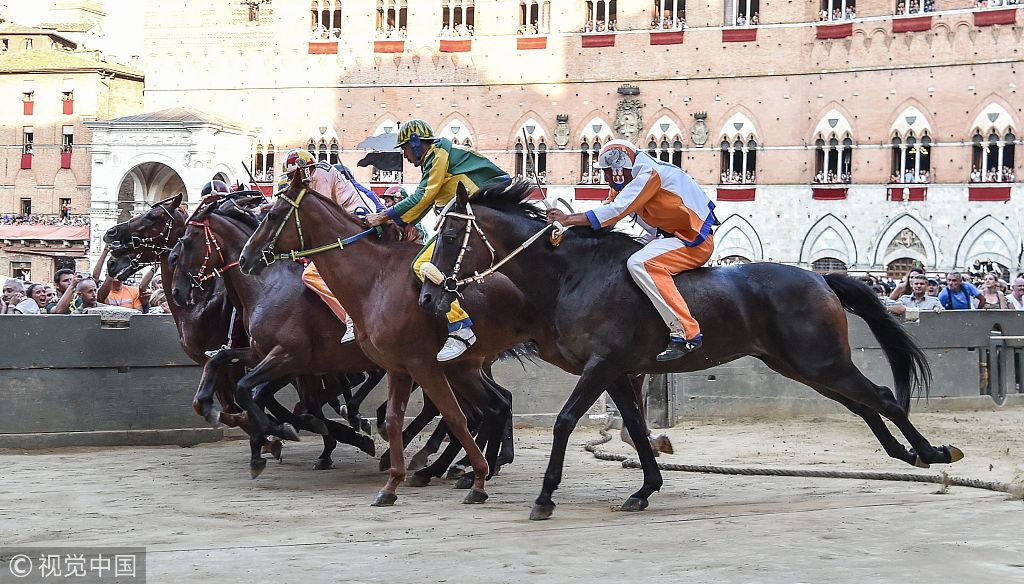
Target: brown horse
x=370 y=277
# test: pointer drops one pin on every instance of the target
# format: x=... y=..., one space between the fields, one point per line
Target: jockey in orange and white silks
x=332 y=183
x=678 y=216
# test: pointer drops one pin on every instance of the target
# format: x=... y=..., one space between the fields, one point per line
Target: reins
x=211 y=243
x=269 y=257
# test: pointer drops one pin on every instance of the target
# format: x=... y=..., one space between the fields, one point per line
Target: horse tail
x=910 y=369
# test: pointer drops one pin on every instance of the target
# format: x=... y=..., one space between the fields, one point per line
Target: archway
x=146 y=184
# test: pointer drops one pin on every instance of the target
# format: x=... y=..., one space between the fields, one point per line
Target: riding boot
x=680 y=347
x=350 y=331
x=457 y=343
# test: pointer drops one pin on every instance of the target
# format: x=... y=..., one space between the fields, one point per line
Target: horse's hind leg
x=352 y=404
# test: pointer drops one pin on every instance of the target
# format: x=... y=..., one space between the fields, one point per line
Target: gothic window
x=457 y=18
x=833 y=155
x=28 y=137
x=259 y=163
x=268 y=171
x=834 y=10
x=739 y=151
x=326 y=19
x=588 y=158
x=600 y=16
x=911 y=148
x=531 y=160
x=456 y=131
x=826 y=265
x=669 y=15
x=534 y=17
x=392 y=19
x=333 y=156
x=665 y=141
x=742 y=13
x=321 y=153
x=994 y=146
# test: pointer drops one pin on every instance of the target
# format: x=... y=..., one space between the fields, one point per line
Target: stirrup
x=678 y=348
x=215 y=352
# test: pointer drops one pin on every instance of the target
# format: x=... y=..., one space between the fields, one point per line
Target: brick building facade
x=832 y=133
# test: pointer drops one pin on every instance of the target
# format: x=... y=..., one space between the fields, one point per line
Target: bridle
x=156 y=244
x=452 y=283
x=212 y=244
x=268 y=255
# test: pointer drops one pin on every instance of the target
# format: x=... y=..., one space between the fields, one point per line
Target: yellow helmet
x=414 y=129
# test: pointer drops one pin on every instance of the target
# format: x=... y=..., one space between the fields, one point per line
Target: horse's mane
x=514 y=199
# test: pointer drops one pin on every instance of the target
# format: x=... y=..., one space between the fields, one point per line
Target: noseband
x=268 y=255
x=157 y=243
x=211 y=244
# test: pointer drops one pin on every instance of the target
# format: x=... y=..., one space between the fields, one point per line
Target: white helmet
x=616 y=155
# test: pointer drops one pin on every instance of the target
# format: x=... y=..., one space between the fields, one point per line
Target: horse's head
x=143 y=239
x=273 y=234
x=204 y=251
x=453 y=253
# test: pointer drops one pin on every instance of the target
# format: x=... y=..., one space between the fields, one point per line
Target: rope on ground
x=942 y=479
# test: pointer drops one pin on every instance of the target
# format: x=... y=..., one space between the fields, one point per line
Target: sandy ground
x=201 y=517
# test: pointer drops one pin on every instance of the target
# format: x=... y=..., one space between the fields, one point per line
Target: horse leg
x=588 y=388
x=350 y=410
x=324 y=461
x=426 y=415
x=869 y=401
x=274 y=366
x=399 y=388
x=621 y=392
x=506 y=452
x=435 y=385
x=202 y=403
x=421 y=459
x=438 y=467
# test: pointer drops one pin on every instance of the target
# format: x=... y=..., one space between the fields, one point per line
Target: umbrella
x=380 y=143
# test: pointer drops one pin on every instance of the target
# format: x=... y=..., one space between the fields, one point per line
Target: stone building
x=48 y=93
x=831 y=133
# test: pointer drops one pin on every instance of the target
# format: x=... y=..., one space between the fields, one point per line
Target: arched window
x=826 y=265
x=994 y=146
x=739 y=151
x=531 y=160
x=742 y=13
x=392 y=18
x=258 y=167
x=458 y=132
x=588 y=158
x=669 y=15
x=326 y=19
x=321 y=153
x=833 y=160
x=911 y=148
x=600 y=16
x=832 y=10
x=457 y=18
x=333 y=155
x=534 y=17
x=269 y=170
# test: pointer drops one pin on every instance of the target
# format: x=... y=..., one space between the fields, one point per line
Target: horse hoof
x=367 y=445
x=317 y=425
x=323 y=464
x=920 y=463
x=365 y=426
x=955 y=453
x=465 y=481
x=664 y=444
x=213 y=416
x=384 y=499
x=541 y=512
x=343 y=412
x=454 y=473
x=418 y=461
x=385 y=462
x=288 y=432
x=475 y=497
x=256 y=467
x=634 y=504
x=415 y=480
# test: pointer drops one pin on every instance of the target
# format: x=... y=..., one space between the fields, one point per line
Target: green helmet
x=414 y=129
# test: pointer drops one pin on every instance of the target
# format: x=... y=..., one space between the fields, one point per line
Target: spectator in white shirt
x=1016 y=299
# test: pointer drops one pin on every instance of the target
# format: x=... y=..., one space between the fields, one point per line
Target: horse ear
x=175 y=202
x=461 y=195
x=296 y=181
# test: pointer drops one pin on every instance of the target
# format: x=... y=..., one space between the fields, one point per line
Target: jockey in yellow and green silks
x=444 y=166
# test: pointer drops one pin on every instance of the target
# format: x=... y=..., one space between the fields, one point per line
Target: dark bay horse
x=605 y=328
x=293 y=334
x=147 y=238
x=370 y=276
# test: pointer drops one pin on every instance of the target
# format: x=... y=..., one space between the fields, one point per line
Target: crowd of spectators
x=601 y=26
x=65 y=218
x=741 y=20
x=915 y=7
x=392 y=33
x=81 y=293
x=910 y=177
x=668 y=22
x=832 y=178
x=985 y=286
x=541 y=177
x=322 y=33
x=264 y=175
x=838 y=14
x=457 y=31
x=737 y=178
x=997 y=3
x=993 y=175
x=525 y=29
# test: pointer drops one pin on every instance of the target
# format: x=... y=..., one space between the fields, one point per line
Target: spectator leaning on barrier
x=86 y=292
x=35 y=303
x=1016 y=297
x=13 y=293
x=903 y=287
x=994 y=298
x=65 y=281
x=958 y=294
x=918 y=299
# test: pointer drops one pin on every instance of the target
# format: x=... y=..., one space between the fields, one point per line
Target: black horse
x=606 y=328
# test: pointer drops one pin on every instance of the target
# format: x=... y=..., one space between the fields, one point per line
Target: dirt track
x=202 y=517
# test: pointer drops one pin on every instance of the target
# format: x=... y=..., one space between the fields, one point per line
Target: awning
x=383 y=160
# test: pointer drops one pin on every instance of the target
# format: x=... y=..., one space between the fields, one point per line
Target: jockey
x=214 y=186
x=444 y=166
x=415 y=233
x=328 y=181
x=677 y=215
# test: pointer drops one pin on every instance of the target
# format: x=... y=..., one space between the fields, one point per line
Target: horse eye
x=448 y=237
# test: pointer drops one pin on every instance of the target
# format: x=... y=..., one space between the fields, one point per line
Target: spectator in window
x=918 y=298
x=994 y=298
x=958 y=294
